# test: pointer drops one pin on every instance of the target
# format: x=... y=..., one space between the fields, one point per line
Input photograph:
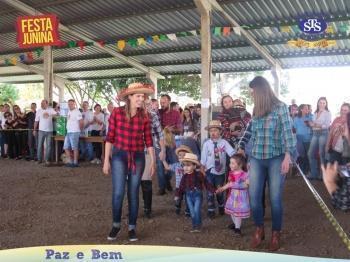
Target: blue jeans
x=47 y=137
x=194 y=200
x=270 y=170
x=217 y=181
x=317 y=144
x=2 y=144
x=121 y=175
x=86 y=150
x=162 y=175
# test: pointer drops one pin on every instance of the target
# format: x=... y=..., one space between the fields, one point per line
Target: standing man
x=43 y=123
x=171 y=119
x=32 y=141
x=110 y=108
x=88 y=119
x=75 y=124
x=3 y=140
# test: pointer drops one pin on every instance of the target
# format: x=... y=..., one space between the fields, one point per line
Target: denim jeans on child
x=217 y=181
x=194 y=199
x=269 y=169
x=317 y=144
x=121 y=175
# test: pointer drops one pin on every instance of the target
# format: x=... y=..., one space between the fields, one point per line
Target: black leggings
x=97 y=146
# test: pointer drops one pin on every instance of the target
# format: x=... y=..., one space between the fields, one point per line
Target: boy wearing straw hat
x=192 y=185
x=179 y=171
x=213 y=160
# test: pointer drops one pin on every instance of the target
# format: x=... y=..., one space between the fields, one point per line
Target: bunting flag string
x=121 y=44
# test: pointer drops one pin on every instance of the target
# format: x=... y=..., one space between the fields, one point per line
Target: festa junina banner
x=36 y=31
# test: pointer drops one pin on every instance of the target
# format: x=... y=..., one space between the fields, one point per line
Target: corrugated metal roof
x=122 y=19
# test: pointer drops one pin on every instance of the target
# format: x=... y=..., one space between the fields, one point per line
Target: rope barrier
x=342 y=234
x=8 y=130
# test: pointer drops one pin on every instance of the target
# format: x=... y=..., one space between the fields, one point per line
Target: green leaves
x=8 y=94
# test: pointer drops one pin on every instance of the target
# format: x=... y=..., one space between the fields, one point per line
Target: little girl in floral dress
x=237 y=203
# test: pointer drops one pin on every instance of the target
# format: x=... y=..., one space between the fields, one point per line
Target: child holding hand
x=237 y=203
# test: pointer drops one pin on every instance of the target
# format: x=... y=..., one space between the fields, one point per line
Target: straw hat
x=214 y=124
x=189 y=157
x=183 y=148
x=136 y=88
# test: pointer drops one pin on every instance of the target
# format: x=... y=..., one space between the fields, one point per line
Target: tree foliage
x=186 y=85
x=243 y=79
x=8 y=94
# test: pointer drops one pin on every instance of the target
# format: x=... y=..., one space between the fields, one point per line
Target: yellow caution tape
x=344 y=237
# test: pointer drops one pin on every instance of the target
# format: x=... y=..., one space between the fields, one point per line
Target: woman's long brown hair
x=142 y=110
x=264 y=98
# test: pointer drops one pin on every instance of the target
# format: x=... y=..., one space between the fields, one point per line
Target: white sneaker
x=98 y=162
x=93 y=161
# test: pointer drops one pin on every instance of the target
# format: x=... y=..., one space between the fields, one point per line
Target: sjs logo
x=313 y=26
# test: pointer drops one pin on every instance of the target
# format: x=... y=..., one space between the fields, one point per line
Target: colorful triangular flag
x=226 y=31
x=121 y=45
x=155 y=38
x=163 y=37
x=141 y=41
x=172 y=37
x=237 y=30
x=285 y=29
x=217 y=31
x=132 y=42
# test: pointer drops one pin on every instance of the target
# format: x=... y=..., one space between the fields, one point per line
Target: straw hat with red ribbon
x=136 y=88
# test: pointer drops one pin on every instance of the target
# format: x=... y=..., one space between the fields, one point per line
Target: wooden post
x=48 y=74
x=153 y=77
x=204 y=7
x=276 y=73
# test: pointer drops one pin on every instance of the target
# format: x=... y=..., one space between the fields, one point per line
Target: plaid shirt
x=171 y=118
x=157 y=132
x=194 y=181
x=272 y=135
x=129 y=135
x=341 y=197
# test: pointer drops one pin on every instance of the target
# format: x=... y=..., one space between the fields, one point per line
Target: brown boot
x=275 y=241
x=258 y=237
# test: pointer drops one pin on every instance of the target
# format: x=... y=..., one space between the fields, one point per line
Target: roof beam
x=115 y=16
x=251 y=57
x=261 y=50
x=31 y=11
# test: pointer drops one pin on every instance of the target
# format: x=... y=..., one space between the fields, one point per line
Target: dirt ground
x=61 y=206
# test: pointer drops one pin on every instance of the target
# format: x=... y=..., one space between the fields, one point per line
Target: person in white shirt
x=3 y=136
x=75 y=124
x=213 y=161
x=43 y=123
x=86 y=148
x=96 y=130
x=110 y=107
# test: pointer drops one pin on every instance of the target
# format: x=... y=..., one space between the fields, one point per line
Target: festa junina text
x=37 y=31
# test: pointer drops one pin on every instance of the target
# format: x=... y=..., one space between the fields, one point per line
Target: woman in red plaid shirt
x=128 y=134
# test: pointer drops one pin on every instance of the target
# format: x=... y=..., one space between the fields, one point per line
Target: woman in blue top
x=273 y=143
x=320 y=126
x=303 y=133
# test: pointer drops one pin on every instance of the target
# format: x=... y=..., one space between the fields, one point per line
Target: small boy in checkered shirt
x=178 y=170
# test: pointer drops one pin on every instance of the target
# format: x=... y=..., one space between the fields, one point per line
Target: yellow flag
x=155 y=38
x=121 y=45
x=330 y=30
x=285 y=29
x=14 y=60
x=141 y=41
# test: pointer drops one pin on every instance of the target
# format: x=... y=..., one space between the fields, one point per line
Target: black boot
x=146 y=186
